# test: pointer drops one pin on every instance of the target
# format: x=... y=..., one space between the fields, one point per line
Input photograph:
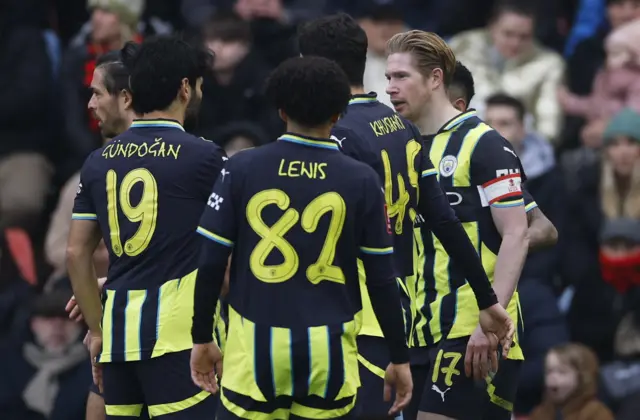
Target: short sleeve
x=218 y=221
x=529 y=202
x=497 y=170
x=211 y=168
x=83 y=206
x=357 y=148
x=376 y=242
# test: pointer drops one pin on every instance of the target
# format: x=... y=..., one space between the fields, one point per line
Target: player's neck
x=435 y=115
x=164 y=115
x=357 y=90
x=317 y=132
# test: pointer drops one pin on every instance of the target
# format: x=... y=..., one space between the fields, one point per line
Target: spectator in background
x=25 y=131
x=506 y=114
x=620 y=262
x=609 y=189
x=545 y=328
x=240 y=135
x=233 y=91
x=504 y=57
x=615 y=87
x=113 y=23
x=571 y=382
x=46 y=369
x=589 y=57
x=380 y=23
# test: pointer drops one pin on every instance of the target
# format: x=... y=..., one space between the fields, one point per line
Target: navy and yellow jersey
x=297 y=226
x=373 y=133
x=370 y=128
x=147 y=189
x=478 y=169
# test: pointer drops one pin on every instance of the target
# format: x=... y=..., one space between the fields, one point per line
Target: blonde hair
x=584 y=361
x=612 y=203
x=428 y=49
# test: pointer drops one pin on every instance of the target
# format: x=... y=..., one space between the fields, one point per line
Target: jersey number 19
x=145 y=212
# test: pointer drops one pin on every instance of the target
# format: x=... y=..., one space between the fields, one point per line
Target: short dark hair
x=310 y=90
x=115 y=74
x=338 y=38
x=502 y=99
x=525 y=8
x=463 y=80
x=158 y=67
x=383 y=13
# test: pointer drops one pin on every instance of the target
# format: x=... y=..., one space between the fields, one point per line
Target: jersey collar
x=364 y=98
x=158 y=123
x=457 y=120
x=309 y=141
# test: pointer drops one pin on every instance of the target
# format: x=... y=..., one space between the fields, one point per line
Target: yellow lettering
x=321 y=167
x=113 y=152
x=293 y=169
x=105 y=151
x=374 y=128
x=174 y=151
x=132 y=149
x=308 y=172
x=280 y=171
x=143 y=149
x=162 y=152
x=153 y=147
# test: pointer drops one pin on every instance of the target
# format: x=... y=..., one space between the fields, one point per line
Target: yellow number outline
x=398 y=208
x=273 y=237
x=145 y=212
x=448 y=371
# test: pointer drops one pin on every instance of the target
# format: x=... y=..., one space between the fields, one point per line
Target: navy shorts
x=449 y=392
x=373 y=358
x=161 y=385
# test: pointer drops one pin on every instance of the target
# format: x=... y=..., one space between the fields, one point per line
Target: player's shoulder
x=490 y=139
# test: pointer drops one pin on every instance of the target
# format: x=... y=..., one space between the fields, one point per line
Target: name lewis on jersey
x=298 y=168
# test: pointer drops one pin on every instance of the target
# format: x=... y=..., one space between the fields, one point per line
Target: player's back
x=294 y=262
x=150 y=186
x=370 y=128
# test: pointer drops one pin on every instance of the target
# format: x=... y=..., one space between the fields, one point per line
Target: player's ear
x=436 y=78
x=283 y=116
x=126 y=99
x=185 y=91
x=335 y=118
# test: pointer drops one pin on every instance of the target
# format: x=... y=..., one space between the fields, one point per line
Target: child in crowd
x=571 y=377
x=615 y=87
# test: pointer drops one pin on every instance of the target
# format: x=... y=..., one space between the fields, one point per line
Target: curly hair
x=159 y=66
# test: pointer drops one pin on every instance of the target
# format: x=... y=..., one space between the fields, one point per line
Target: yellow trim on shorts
x=129 y=410
x=173 y=407
x=500 y=402
x=317 y=413
x=373 y=368
x=236 y=410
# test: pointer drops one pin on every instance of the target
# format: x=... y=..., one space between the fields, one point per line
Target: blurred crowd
x=559 y=79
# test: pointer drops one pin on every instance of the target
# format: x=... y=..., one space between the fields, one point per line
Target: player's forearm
x=209 y=282
x=85 y=288
x=434 y=205
x=385 y=300
x=511 y=258
x=542 y=233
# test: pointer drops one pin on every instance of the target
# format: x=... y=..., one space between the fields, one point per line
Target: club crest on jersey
x=448 y=165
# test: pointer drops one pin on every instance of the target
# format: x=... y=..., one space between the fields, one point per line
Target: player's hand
x=206 y=362
x=495 y=319
x=398 y=377
x=72 y=307
x=481 y=357
x=95 y=347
